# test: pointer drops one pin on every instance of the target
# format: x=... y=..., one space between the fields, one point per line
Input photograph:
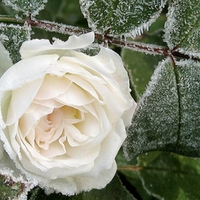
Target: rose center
x=49 y=129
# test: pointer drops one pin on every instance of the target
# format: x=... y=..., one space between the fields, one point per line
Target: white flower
x=64 y=113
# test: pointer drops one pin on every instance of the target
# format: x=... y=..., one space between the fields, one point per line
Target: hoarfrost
x=182 y=28
x=155 y=122
x=167 y=116
x=27 y=7
x=128 y=18
x=189 y=91
x=14 y=36
x=5 y=59
x=12 y=175
x=144 y=48
x=61 y=28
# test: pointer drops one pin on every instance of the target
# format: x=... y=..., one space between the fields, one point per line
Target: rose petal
x=38 y=111
x=38 y=47
x=74 y=96
x=25 y=71
x=22 y=96
x=58 y=86
x=50 y=103
x=77 y=184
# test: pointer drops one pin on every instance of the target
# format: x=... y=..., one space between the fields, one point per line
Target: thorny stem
x=106 y=39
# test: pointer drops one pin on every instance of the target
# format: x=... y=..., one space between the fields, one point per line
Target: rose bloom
x=63 y=114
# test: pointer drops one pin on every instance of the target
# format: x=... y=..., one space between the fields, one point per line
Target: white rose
x=64 y=113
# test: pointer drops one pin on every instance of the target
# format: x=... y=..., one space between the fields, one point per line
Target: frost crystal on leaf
x=27 y=7
x=167 y=117
x=5 y=59
x=14 y=34
x=15 y=186
x=155 y=121
x=121 y=17
x=182 y=28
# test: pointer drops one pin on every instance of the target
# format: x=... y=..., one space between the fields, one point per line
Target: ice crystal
x=182 y=28
x=27 y=7
x=121 y=17
x=12 y=36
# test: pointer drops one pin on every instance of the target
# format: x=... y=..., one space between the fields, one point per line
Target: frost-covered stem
x=141 y=47
x=57 y=27
x=106 y=39
x=70 y=30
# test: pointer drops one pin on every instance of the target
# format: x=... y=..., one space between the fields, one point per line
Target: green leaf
x=183 y=26
x=31 y=7
x=140 y=69
x=62 y=11
x=9 y=189
x=121 y=17
x=139 y=65
x=5 y=59
x=167 y=116
x=113 y=191
x=128 y=173
x=169 y=176
x=12 y=37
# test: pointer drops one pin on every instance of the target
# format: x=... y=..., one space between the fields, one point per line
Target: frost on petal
x=39 y=66
x=38 y=47
x=74 y=185
x=5 y=59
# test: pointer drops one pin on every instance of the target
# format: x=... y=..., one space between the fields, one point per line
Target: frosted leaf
x=189 y=94
x=5 y=59
x=182 y=28
x=91 y=50
x=167 y=117
x=27 y=7
x=13 y=185
x=12 y=36
x=128 y=17
x=156 y=115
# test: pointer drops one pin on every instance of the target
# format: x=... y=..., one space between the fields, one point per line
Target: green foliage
x=183 y=24
x=14 y=34
x=121 y=17
x=156 y=121
x=170 y=176
x=167 y=116
x=9 y=189
x=137 y=63
x=26 y=7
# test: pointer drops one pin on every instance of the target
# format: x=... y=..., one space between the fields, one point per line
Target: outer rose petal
x=23 y=72
x=38 y=47
x=48 y=102
x=77 y=184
